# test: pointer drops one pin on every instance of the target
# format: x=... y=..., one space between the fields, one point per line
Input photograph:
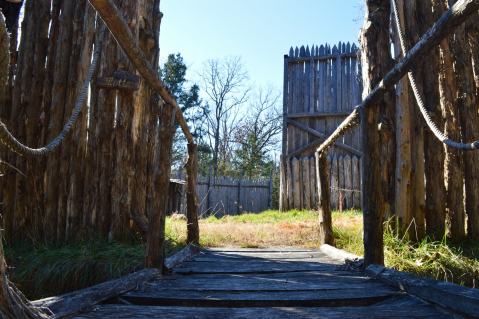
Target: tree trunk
x=377 y=129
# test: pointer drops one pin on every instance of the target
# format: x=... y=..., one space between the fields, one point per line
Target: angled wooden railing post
x=122 y=33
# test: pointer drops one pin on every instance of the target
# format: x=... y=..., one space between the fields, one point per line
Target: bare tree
x=258 y=133
x=225 y=83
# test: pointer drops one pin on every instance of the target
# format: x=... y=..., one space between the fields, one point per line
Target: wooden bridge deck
x=264 y=283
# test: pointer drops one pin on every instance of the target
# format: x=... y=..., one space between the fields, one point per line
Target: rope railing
x=419 y=99
x=456 y=15
x=9 y=140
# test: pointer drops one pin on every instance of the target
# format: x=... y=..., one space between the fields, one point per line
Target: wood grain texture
x=459 y=299
x=397 y=311
x=330 y=291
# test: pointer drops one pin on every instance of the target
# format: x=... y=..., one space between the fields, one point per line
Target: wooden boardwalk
x=264 y=283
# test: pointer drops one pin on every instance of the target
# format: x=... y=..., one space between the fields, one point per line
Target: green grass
x=435 y=259
x=46 y=270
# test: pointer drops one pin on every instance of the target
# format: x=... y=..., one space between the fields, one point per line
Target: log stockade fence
x=321 y=87
x=230 y=196
x=223 y=195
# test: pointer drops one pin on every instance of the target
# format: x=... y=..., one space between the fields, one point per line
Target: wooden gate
x=321 y=87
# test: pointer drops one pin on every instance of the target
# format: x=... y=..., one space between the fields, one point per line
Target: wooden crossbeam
x=318 y=115
x=323 y=136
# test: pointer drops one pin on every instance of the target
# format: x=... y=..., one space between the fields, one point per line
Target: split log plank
x=339 y=297
x=300 y=281
x=399 y=309
x=448 y=295
x=252 y=267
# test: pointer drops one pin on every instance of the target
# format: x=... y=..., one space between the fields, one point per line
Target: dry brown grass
x=268 y=229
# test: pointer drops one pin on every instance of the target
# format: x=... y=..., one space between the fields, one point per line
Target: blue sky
x=259 y=31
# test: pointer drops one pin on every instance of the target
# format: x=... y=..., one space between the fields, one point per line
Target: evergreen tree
x=173 y=74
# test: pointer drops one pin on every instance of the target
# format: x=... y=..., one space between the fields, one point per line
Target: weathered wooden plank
x=259 y=250
x=362 y=296
x=348 y=181
x=448 y=295
x=304 y=281
x=252 y=267
x=341 y=186
x=288 y=258
x=306 y=185
x=289 y=183
x=334 y=183
x=400 y=308
x=356 y=175
x=297 y=194
x=319 y=115
x=313 y=183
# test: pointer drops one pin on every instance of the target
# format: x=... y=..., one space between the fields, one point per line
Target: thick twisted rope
x=420 y=102
x=7 y=138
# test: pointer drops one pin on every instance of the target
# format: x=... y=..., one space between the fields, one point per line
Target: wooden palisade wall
x=321 y=87
x=104 y=170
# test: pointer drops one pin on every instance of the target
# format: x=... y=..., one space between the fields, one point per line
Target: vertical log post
x=324 y=214
x=155 y=255
x=377 y=126
x=192 y=206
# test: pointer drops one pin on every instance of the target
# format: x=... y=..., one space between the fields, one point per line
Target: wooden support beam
x=318 y=115
x=322 y=57
x=322 y=136
x=456 y=15
x=192 y=204
x=122 y=33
